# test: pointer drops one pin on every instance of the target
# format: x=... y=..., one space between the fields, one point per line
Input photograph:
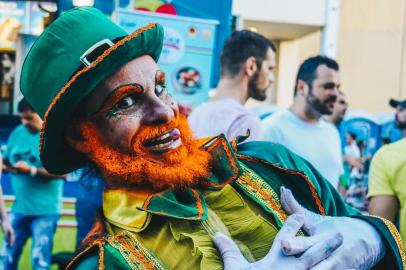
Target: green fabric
x=192 y=242
x=343 y=181
x=54 y=59
x=183 y=204
x=276 y=166
x=262 y=186
x=287 y=162
x=178 y=204
x=330 y=198
x=222 y=169
x=34 y=195
x=182 y=244
x=113 y=259
x=90 y=263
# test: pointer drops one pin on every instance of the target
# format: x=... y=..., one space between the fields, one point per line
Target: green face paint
x=112 y=112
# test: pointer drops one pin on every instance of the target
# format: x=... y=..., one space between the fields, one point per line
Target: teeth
x=162 y=145
x=157 y=144
x=163 y=137
x=171 y=144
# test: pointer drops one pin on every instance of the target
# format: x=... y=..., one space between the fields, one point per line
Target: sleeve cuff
x=395 y=254
x=371 y=194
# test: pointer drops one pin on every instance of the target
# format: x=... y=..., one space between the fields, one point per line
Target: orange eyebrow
x=119 y=93
x=160 y=77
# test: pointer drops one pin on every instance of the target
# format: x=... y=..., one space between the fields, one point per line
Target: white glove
x=361 y=249
x=313 y=251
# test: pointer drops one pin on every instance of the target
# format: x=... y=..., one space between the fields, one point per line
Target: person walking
x=38 y=193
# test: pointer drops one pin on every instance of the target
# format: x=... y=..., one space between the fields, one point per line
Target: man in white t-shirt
x=301 y=128
x=247 y=63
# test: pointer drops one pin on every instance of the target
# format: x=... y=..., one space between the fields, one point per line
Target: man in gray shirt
x=301 y=128
x=247 y=63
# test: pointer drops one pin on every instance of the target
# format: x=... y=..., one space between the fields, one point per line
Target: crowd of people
x=218 y=188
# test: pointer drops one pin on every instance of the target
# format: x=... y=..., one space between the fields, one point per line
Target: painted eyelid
x=113 y=110
x=117 y=97
x=115 y=104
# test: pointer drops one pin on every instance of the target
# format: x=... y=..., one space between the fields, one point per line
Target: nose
x=271 y=77
x=158 y=112
x=333 y=92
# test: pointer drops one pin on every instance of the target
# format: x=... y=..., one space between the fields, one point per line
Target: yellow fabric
x=387 y=176
x=120 y=209
x=185 y=244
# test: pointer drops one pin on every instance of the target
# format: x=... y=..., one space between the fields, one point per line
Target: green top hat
x=71 y=57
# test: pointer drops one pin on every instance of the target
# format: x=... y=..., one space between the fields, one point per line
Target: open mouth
x=165 y=142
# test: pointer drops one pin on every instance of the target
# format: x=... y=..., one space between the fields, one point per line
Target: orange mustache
x=177 y=168
x=148 y=133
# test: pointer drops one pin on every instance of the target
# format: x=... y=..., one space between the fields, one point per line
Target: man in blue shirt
x=38 y=193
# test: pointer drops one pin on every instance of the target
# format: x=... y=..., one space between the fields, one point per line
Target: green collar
x=132 y=211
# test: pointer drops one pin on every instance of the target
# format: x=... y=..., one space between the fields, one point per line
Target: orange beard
x=178 y=168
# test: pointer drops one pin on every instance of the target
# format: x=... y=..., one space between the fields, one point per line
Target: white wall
x=307 y=12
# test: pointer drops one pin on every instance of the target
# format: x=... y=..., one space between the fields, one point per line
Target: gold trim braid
x=254 y=185
x=137 y=257
x=395 y=233
x=257 y=187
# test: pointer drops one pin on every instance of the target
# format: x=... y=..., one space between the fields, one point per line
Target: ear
x=302 y=88
x=74 y=137
x=250 y=66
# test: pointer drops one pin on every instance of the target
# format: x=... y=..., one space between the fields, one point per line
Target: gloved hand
x=361 y=249
x=313 y=251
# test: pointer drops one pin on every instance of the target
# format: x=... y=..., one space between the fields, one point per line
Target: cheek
x=319 y=93
x=264 y=78
x=119 y=130
x=403 y=116
x=167 y=98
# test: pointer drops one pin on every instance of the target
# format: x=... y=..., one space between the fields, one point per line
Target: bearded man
x=339 y=111
x=301 y=128
x=247 y=64
x=171 y=199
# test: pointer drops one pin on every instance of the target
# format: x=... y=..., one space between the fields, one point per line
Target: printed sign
x=188 y=80
x=174 y=47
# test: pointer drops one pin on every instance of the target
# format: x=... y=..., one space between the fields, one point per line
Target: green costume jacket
x=174 y=229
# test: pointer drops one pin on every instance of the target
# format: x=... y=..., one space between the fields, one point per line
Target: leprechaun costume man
x=171 y=199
